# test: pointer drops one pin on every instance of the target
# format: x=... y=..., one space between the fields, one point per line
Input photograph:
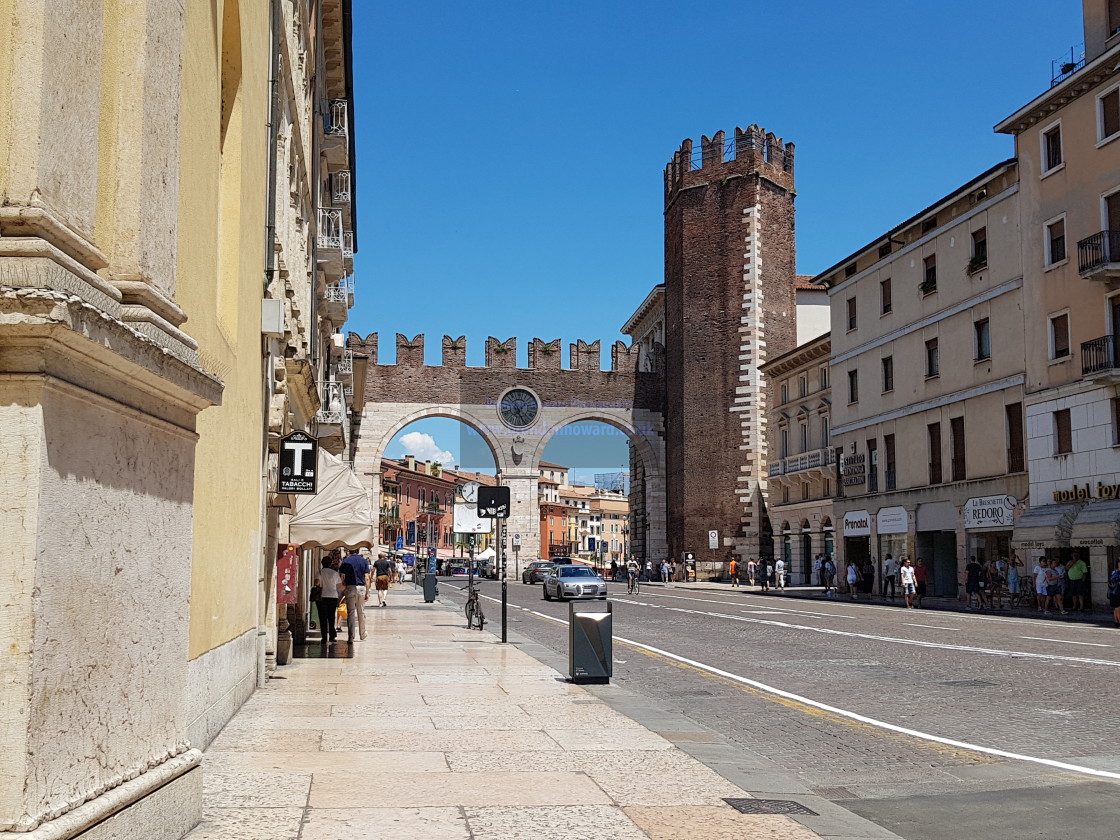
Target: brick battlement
x=752 y=150
x=502 y=355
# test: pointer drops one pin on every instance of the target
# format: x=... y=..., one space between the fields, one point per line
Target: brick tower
x=730 y=265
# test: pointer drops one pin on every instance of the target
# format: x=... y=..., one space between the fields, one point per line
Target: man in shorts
x=909 y=582
x=382 y=574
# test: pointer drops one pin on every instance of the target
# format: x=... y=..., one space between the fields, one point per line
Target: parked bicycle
x=473 y=609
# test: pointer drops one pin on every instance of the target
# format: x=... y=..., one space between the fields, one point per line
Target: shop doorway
x=806 y=555
x=939 y=550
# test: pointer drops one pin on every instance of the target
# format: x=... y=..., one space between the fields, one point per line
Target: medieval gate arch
x=399 y=394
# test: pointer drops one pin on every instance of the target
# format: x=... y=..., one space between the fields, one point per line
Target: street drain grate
x=834 y=793
x=969 y=683
x=770 y=806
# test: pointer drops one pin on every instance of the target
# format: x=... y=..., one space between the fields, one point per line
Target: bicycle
x=473 y=610
x=632 y=586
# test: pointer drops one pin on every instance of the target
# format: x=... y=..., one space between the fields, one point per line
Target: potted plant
x=976 y=263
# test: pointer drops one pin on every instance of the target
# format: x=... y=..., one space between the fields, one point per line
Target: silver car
x=574 y=581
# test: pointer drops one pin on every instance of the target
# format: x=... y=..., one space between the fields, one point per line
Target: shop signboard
x=287 y=563
x=990 y=512
x=857 y=523
x=298 y=460
x=892 y=520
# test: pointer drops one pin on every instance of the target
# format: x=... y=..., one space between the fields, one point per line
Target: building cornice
x=653 y=299
x=803 y=354
x=1041 y=107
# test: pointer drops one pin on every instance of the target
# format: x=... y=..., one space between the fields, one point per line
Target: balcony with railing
x=345 y=365
x=390 y=513
x=330 y=228
x=340 y=186
x=1098 y=256
x=890 y=478
x=813 y=460
x=333 y=404
x=348 y=244
x=1099 y=355
x=336 y=122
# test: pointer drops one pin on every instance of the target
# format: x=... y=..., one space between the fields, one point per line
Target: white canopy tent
x=338 y=515
x=487 y=553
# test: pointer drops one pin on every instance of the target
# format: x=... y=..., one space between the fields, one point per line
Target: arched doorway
x=787 y=547
x=829 y=540
x=806 y=553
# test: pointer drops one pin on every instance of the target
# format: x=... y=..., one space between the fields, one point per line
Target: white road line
x=769 y=607
x=902 y=730
x=933 y=627
x=1064 y=641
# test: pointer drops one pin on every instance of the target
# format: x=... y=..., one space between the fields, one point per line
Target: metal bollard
x=590 y=655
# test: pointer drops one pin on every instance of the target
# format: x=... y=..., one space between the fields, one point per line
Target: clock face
x=518 y=408
x=470 y=492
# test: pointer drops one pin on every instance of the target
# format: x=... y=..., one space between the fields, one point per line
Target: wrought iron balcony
x=330 y=228
x=345 y=364
x=336 y=293
x=1098 y=355
x=1098 y=256
x=340 y=186
x=348 y=244
x=333 y=402
x=336 y=121
x=891 y=478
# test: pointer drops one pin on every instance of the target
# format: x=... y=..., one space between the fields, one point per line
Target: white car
x=574 y=581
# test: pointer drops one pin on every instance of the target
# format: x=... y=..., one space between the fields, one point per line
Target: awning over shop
x=1049 y=526
x=1098 y=523
x=338 y=515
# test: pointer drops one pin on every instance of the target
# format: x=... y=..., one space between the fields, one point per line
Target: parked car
x=536 y=571
x=574 y=581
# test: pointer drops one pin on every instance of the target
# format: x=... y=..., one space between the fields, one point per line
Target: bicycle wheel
x=469 y=610
x=479 y=618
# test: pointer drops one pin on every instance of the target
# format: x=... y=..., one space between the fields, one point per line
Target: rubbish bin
x=430 y=589
x=590 y=659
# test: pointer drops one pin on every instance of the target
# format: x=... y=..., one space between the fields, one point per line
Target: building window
x=1016 y=462
x=1113 y=27
x=1116 y=421
x=979 y=257
x=804 y=437
x=1059 y=336
x=888 y=373
x=933 y=358
x=1109 y=113
x=1051 y=148
x=785 y=442
x=803 y=385
x=956 y=441
x=826 y=488
x=929 y=275
x=934 y=434
x=1063 y=432
x=824 y=432
x=785 y=393
x=888 y=451
x=824 y=377
x=851 y=313
x=983 y=339
x=885 y=250
x=929 y=224
x=873 y=466
x=885 y=295
x=1055 y=239
x=785 y=494
x=853 y=386
x=850 y=270
x=804 y=491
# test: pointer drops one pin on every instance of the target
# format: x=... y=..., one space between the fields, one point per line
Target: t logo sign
x=299 y=456
x=493 y=502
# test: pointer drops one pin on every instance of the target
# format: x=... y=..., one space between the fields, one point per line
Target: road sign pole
x=503 y=550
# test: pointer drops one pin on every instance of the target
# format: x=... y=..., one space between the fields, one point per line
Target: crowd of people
x=343 y=586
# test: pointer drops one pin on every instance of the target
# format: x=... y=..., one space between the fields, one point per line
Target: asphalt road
x=853 y=699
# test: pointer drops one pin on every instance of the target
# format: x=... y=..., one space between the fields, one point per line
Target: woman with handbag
x=330 y=582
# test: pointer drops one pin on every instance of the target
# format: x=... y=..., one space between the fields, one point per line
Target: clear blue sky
x=510 y=153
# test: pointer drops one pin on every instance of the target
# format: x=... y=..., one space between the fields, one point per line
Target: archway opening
x=584 y=490
x=422 y=470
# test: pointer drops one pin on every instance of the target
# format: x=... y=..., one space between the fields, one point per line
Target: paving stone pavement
x=432 y=731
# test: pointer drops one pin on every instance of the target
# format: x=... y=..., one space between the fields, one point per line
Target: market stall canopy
x=487 y=553
x=338 y=515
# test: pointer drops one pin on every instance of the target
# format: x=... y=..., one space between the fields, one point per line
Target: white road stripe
x=933 y=627
x=1064 y=641
x=902 y=730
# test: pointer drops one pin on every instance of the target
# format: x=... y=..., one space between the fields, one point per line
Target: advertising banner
x=287 y=568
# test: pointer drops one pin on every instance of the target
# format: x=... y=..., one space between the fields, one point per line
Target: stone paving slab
x=429 y=731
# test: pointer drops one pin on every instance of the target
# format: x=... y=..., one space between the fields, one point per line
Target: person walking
x=853 y=578
x=752 y=571
x=818 y=569
x=382 y=574
x=1013 y=566
x=972 y=583
x=780 y=574
x=920 y=580
x=355 y=577
x=764 y=571
x=664 y=571
x=909 y=582
x=734 y=569
x=1056 y=585
x=1077 y=575
x=829 y=572
x=1042 y=594
x=330 y=587
x=1114 y=595
x=890 y=573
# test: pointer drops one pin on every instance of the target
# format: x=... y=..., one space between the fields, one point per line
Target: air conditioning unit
x=272 y=317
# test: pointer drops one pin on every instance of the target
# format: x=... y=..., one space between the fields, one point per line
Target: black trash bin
x=430 y=588
x=590 y=627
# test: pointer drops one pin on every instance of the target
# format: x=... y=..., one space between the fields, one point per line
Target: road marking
x=856 y=716
x=934 y=627
x=1064 y=641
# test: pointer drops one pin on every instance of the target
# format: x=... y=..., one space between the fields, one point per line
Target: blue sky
x=509 y=154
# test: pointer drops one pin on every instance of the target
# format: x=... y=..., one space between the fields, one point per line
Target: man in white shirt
x=780 y=573
x=909 y=583
x=818 y=569
x=890 y=574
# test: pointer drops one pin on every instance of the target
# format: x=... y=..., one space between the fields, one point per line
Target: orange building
x=554 y=529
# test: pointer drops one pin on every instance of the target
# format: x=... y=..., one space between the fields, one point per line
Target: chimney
x=411 y=461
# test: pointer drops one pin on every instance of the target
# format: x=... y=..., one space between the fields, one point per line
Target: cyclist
x=631 y=577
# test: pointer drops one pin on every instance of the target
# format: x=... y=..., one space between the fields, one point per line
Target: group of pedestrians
x=347 y=580
x=1053 y=581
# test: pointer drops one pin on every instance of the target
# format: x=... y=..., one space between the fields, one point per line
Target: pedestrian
x=920 y=580
x=330 y=587
x=1042 y=594
x=829 y=575
x=752 y=571
x=853 y=578
x=1114 y=595
x=614 y=570
x=1056 y=585
x=672 y=568
x=909 y=582
x=1013 y=566
x=1077 y=575
x=734 y=569
x=818 y=569
x=400 y=570
x=664 y=571
x=780 y=573
x=355 y=577
x=890 y=572
x=764 y=571
x=868 y=577
x=997 y=577
x=972 y=584
x=382 y=574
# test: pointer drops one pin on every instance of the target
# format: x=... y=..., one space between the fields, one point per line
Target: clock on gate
x=518 y=408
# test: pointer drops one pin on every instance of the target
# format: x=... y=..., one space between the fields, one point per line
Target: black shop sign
x=299 y=457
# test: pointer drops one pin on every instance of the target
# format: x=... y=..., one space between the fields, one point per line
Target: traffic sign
x=713 y=539
x=689 y=556
x=400 y=543
x=299 y=456
x=493 y=502
x=516 y=540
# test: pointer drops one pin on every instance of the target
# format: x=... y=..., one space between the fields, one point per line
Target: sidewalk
x=1099 y=615
x=427 y=730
